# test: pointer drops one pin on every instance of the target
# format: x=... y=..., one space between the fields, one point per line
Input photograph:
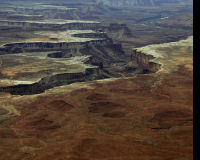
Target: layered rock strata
x=145 y=61
x=51 y=82
x=59 y=24
x=49 y=46
x=108 y=53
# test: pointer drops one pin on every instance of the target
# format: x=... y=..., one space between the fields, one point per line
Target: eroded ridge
x=52 y=60
x=61 y=49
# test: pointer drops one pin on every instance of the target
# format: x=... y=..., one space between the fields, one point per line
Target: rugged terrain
x=145 y=117
x=131 y=3
x=96 y=81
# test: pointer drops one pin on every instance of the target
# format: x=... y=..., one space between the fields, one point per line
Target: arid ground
x=145 y=117
x=90 y=80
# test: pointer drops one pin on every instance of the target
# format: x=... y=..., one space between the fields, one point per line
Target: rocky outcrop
x=103 y=51
x=117 y=31
x=49 y=46
x=145 y=61
x=52 y=81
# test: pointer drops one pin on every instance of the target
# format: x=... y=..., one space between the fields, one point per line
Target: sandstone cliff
x=145 y=61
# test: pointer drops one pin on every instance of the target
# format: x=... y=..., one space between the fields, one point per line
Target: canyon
x=96 y=80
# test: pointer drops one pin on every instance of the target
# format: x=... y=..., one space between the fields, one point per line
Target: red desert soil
x=148 y=117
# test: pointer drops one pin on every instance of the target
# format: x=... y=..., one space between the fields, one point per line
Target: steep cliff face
x=103 y=54
x=106 y=60
x=49 y=46
x=145 y=61
x=118 y=31
x=102 y=50
x=52 y=81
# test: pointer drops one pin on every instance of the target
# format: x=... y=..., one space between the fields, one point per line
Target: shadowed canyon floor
x=147 y=117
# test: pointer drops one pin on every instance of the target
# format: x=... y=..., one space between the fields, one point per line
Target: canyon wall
x=103 y=51
x=49 y=46
x=52 y=81
x=145 y=61
x=59 y=25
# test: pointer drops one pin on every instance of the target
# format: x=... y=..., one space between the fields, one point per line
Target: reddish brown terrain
x=146 y=117
x=96 y=80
